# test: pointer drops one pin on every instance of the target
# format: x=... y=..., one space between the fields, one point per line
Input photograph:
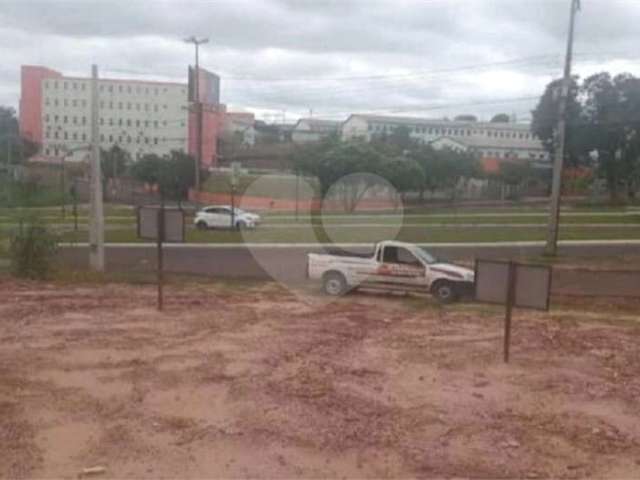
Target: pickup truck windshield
x=425 y=256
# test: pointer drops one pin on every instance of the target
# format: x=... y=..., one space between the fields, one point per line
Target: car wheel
x=334 y=284
x=445 y=292
x=202 y=225
x=241 y=225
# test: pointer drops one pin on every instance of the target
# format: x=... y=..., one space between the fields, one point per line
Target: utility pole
x=9 y=171
x=551 y=247
x=198 y=107
x=96 y=226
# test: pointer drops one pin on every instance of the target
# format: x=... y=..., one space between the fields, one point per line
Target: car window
x=405 y=257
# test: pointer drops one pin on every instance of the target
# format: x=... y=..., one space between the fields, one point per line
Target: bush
x=31 y=252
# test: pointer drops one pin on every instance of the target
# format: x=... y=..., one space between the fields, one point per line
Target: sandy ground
x=262 y=383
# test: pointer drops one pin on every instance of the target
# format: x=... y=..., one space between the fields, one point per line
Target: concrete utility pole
x=198 y=107
x=96 y=226
x=551 y=247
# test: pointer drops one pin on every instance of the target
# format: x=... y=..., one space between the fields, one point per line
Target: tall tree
x=500 y=118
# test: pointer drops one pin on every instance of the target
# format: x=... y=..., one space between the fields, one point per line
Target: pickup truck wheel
x=334 y=284
x=241 y=225
x=445 y=292
x=202 y=225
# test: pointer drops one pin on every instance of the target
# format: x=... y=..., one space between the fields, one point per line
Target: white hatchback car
x=220 y=216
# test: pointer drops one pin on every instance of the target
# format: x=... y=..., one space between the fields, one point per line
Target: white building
x=140 y=117
x=488 y=139
x=313 y=130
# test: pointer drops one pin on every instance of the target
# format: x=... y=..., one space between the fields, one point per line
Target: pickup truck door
x=398 y=266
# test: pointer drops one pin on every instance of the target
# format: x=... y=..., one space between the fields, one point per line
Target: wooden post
x=511 y=294
x=160 y=224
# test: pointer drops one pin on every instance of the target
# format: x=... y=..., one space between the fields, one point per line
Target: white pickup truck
x=392 y=266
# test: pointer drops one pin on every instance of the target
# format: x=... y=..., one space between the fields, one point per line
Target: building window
x=74 y=103
x=75 y=136
x=155 y=123
x=155 y=108
x=55 y=84
x=55 y=118
x=146 y=140
x=102 y=137
x=137 y=89
x=120 y=139
x=66 y=136
x=137 y=123
x=101 y=121
x=146 y=90
x=129 y=89
x=84 y=120
x=146 y=123
x=155 y=91
x=64 y=85
x=119 y=105
x=74 y=85
x=55 y=102
x=120 y=88
x=128 y=122
x=46 y=85
x=137 y=106
x=64 y=119
x=110 y=88
x=119 y=122
x=155 y=140
x=129 y=106
x=84 y=136
x=110 y=138
x=64 y=102
x=146 y=107
x=84 y=103
x=46 y=118
x=55 y=134
x=111 y=122
x=128 y=139
x=101 y=104
x=82 y=86
x=46 y=151
x=75 y=120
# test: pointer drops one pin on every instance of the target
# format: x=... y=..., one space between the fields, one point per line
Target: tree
x=179 y=175
x=148 y=169
x=465 y=118
x=603 y=116
x=334 y=162
x=173 y=174
x=405 y=174
x=20 y=148
x=545 y=121
x=114 y=162
x=501 y=118
x=443 y=169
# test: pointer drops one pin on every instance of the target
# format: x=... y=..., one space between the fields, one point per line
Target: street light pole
x=198 y=107
x=551 y=247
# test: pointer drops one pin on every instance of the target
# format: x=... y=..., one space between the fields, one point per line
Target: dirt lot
x=262 y=383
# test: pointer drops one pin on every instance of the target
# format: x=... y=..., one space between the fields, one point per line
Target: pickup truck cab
x=392 y=266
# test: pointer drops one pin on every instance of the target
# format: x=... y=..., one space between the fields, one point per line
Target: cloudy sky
x=286 y=57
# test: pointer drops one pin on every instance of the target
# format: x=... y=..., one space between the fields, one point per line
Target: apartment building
x=142 y=117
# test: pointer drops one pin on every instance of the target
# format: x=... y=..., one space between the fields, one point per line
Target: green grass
x=273 y=186
x=369 y=235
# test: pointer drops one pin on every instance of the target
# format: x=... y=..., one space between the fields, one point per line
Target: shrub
x=31 y=252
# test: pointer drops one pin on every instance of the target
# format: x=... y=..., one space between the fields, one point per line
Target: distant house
x=273 y=132
x=313 y=130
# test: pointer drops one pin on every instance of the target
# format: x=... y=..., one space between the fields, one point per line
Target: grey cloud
x=285 y=54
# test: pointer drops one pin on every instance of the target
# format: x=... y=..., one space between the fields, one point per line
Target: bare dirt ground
x=257 y=382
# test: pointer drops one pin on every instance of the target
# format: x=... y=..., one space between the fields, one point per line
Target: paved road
x=287 y=263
